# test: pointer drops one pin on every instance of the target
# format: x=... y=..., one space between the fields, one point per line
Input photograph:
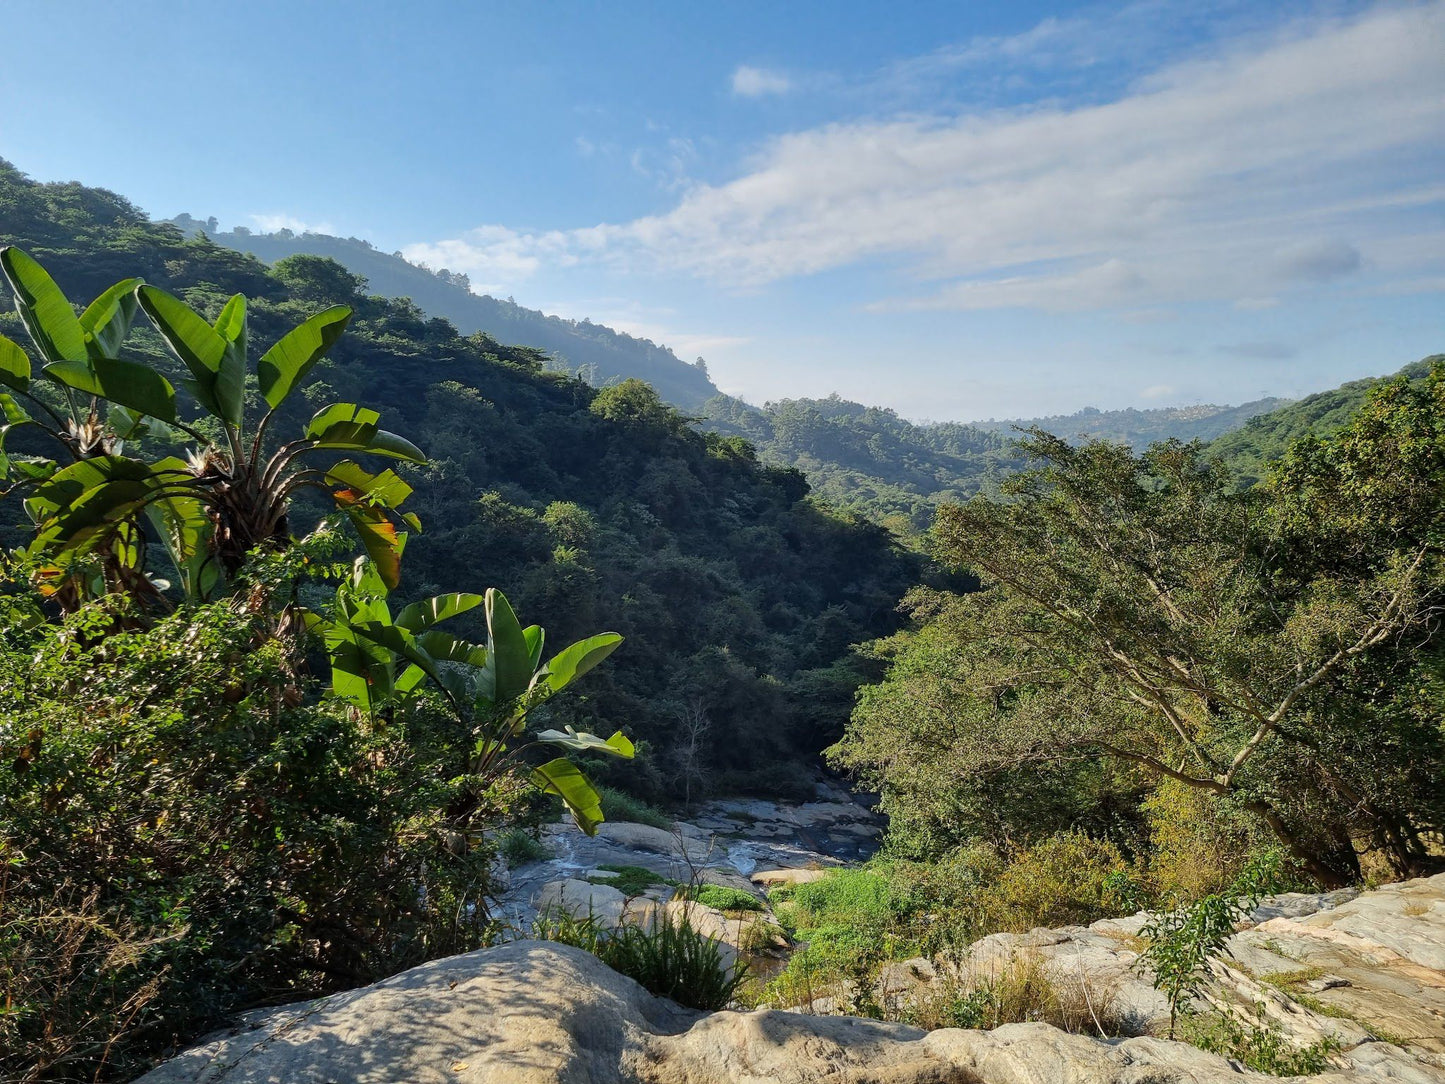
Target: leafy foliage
x=1142 y=620
x=733 y=588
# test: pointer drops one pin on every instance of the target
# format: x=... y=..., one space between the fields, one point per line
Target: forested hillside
x=1141 y=428
x=868 y=458
x=738 y=594
x=1263 y=440
x=600 y=354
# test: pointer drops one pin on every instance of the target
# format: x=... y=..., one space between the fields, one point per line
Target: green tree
x=1139 y=610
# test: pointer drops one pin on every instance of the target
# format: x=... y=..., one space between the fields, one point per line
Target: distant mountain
x=1141 y=428
x=599 y=354
x=1249 y=450
x=868 y=458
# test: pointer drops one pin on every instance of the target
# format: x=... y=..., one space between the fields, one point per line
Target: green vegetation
x=519 y=847
x=723 y=898
x=739 y=596
x=618 y=805
x=1263 y=440
x=191 y=822
x=1179 y=944
x=670 y=959
x=1261 y=1047
x=632 y=880
x=1143 y=621
x=598 y=354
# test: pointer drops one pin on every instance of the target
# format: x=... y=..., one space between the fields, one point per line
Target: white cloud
x=1157 y=391
x=273 y=222
x=1302 y=158
x=749 y=82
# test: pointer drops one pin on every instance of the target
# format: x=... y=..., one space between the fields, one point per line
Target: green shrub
x=181 y=835
x=723 y=898
x=518 y=847
x=632 y=880
x=1263 y=1048
x=1067 y=879
x=674 y=960
x=667 y=958
x=618 y=805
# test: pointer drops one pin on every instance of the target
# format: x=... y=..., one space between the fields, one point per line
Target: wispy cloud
x=750 y=82
x=1282 y=161
x=270 y=223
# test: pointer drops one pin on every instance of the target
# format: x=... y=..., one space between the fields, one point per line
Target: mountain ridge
x=600 y=354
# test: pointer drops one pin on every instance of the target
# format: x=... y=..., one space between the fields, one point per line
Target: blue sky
x=957 y=210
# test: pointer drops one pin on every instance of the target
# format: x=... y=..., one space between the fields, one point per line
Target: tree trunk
x=1334 y=866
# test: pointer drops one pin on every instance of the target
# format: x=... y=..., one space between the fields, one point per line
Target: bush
x=1262 y=1048
x=618 y=805
x=723 y=898
x=667 y=958
x=180 y=838
x=675 y=961
x=1023 y=990
x=1068 y=879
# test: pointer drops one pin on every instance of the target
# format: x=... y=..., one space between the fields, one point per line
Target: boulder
x=536 y=1013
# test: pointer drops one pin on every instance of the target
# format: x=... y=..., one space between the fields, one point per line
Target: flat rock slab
x=535 y=1013
x=771 y=877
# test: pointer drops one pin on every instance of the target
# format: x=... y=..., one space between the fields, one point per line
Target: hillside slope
x=593 y=509
x=603 y=356
x=1263 y=439
x=1141 y=428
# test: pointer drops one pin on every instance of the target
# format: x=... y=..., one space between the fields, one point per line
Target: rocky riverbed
x=1364 y=971
x=742 y=843
x=539 y=1013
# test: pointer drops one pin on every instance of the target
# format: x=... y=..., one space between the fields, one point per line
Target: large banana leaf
x=420 y=616
x=107 y=320
x=348 y=427
x=284 y=366
x=572 y=662
x=231 y=325
x=69 y=484
x=509 y=655
x=44 y=309
x=385 y=489
x=129 y=383
x=185 y=530
x=564 y=779
x=14 y=365
x=218 y=373
x=580 y=741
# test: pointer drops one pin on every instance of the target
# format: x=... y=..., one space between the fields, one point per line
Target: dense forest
x=739 y=594
x=599 y=354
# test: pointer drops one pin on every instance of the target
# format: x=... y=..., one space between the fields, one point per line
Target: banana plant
x=229 y=496
x=100 y=402
x=379 y=660
x=78 y=356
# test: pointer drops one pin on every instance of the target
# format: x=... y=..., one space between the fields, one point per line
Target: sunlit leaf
x=217 y=371
x=107 y=319
x=420 y=616
x=14 y=365
x=286 y=364
x=129 y=383
x=580 y=741
x=43 y=308
x=564 y=779
x=572 y=662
